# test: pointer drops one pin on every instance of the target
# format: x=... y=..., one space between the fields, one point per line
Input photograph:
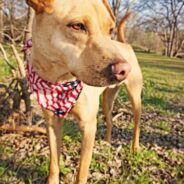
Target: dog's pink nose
x=120 y=70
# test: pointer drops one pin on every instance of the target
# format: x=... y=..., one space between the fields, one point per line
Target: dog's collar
x=58 y=97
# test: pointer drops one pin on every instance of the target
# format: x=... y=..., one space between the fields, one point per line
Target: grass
x=163 y=83
x=161 y=157
x=5 y=71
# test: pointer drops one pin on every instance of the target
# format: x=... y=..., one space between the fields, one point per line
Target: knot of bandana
x=58 y=97
x=28 y=44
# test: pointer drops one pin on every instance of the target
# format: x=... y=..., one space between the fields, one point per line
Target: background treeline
x=154 y=26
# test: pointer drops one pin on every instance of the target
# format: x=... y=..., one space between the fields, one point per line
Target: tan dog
x=72 y=39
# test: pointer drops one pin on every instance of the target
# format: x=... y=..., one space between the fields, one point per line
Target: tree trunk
x=116 y=6
x=172 y=39
x=28 y=35
x=1 y=23
x=28 y=30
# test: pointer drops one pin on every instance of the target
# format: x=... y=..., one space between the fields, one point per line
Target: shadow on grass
x=160 y=102
x=168 y=89
x=14 y=173
x=177 y=67
x=166 y=141
x=35 y=174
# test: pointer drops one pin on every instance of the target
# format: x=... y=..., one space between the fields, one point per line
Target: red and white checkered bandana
x=59 y=97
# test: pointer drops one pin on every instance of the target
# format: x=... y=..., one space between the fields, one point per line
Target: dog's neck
x=48 y=70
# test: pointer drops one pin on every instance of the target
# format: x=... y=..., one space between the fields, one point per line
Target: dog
x=72 y=40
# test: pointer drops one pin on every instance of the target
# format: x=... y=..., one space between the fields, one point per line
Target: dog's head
x=75 y=35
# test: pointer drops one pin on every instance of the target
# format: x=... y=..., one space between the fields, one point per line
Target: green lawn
x=160 y=160
x=5 y=71
x=163 y=83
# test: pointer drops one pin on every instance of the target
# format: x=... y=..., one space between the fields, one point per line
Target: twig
x=17 y=56
x=6 y=58
x=19 y=61
x=117 y=116
x=122 y=112
x=40 y=122
x=23 y=129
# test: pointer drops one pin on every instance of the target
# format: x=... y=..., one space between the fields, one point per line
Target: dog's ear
x=105 y=2
x=41 y=6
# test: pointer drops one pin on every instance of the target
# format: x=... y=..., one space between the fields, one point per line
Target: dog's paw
x=135 y=148
x=53 y=180
x=107 y=139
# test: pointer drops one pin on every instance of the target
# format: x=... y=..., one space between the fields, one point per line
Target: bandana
x=57 y=97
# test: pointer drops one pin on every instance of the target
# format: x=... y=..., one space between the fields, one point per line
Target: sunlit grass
x=111 y=164
x=163 y=83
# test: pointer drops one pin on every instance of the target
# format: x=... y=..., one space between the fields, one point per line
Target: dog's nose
x=120 y=70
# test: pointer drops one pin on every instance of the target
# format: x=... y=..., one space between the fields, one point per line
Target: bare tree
x=15 y=19
x=115 y=4
x=121 y=10
x=121 y=7
x=166 y=18
x=18 y=14
x=1 y=21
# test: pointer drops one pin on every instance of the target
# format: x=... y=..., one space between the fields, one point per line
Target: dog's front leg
x=88 y=129
x=54 y=125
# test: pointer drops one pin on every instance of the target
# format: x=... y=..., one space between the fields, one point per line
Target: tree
x=1 y=20
x=115 y=4
x=164 y=17
x=15 y=16
x=16 y=29
x=121 y=9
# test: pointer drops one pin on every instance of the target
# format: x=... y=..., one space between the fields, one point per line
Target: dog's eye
x=77 y=26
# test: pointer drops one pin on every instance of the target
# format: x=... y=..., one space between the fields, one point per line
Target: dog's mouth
x=74 y=75
x=111 y=74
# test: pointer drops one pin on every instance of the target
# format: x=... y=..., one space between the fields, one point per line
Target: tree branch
x=6 y=58
x=19 y=61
